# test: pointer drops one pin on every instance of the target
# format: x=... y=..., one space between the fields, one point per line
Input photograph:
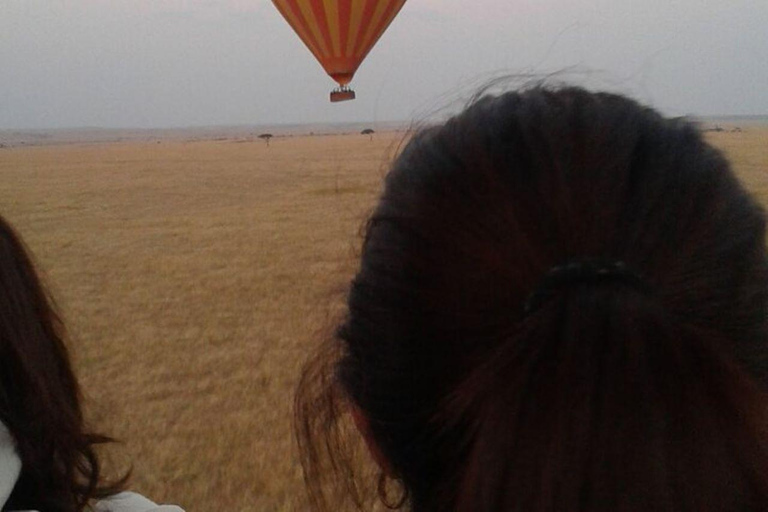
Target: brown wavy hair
x=40 y=399
x=606 y=397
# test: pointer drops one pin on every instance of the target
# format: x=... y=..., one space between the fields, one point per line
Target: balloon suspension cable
x=342 y=93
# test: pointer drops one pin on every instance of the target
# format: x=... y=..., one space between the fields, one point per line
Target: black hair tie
x=591 y=272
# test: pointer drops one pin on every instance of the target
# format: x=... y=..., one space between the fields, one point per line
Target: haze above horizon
x=181 y=63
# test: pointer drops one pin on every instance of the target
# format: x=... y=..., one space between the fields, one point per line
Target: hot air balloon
x=339 y=33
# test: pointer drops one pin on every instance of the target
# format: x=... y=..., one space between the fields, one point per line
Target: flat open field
x=194 y=278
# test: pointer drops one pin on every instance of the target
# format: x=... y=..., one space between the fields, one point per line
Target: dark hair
x=606 y=397
x=40 y=396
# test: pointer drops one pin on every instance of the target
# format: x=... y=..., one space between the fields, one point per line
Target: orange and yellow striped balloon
x=339 y=33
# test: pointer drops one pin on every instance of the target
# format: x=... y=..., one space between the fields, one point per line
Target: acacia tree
x=266 y=137
x=369 y=132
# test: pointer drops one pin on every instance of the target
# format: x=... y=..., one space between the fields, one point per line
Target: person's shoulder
x=132 y=502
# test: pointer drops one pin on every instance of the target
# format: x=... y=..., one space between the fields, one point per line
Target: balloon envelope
x=339 y=33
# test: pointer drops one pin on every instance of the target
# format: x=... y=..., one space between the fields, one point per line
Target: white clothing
x=132 y=502
x=10 y=464
x=10 y=468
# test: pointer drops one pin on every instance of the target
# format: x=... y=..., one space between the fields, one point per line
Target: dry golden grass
x=748 y=153
x=195 y=277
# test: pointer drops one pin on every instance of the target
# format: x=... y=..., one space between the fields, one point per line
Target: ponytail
x=603 y=401
x=621 y=388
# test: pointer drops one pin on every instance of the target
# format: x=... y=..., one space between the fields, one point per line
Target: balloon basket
x=343 y=93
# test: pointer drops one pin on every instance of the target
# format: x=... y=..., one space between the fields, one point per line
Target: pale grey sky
x=166 y=63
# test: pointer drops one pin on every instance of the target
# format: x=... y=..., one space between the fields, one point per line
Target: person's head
x=39 y=394
x=640 y=392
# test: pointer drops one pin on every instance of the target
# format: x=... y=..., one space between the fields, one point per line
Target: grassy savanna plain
x=196 y=277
